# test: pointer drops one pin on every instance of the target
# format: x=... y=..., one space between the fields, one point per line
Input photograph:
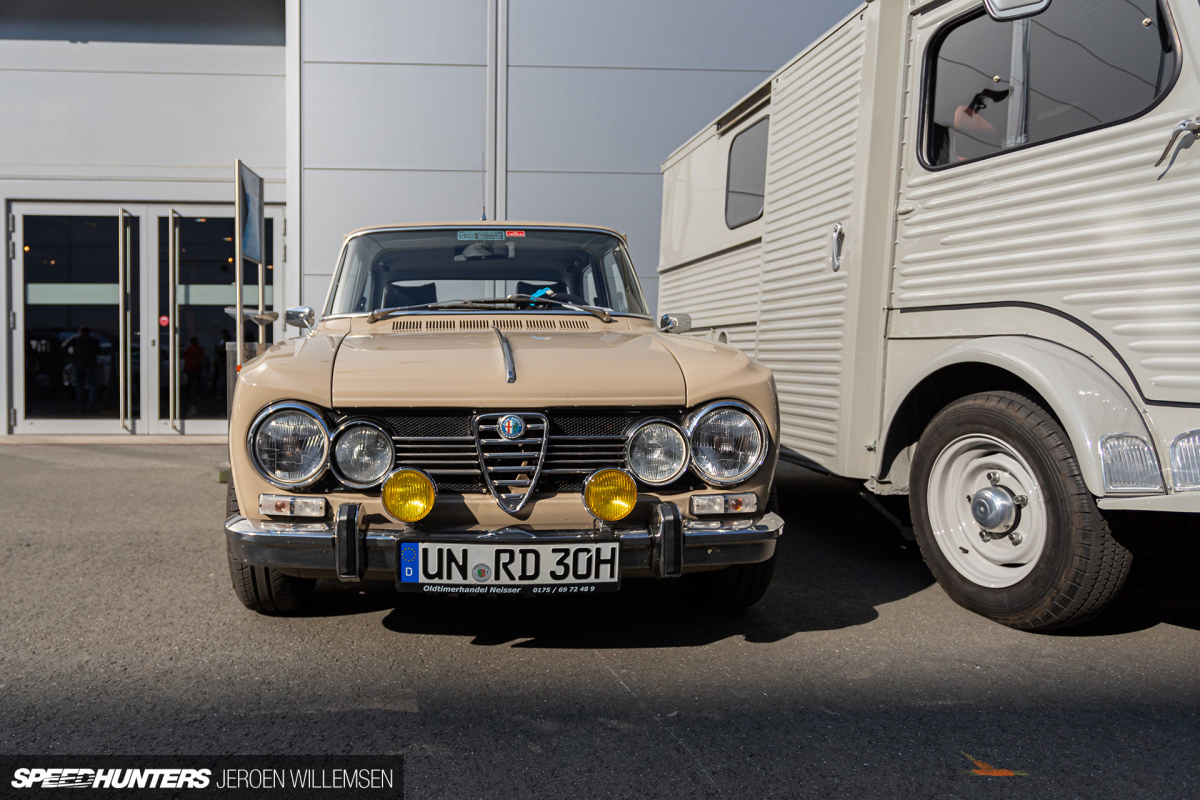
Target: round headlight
x=290 y=446
x=727 y=445
x=657 y=453
x=362 y=454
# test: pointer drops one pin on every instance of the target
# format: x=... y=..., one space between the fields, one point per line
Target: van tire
x=266 y=590
x=1061 y=565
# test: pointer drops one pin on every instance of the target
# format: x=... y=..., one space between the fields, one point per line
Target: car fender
x=1088 y=402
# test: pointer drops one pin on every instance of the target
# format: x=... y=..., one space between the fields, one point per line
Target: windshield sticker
x=514 y=233
x=475 y=236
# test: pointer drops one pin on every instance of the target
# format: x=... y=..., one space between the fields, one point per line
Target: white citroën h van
x=966 y=238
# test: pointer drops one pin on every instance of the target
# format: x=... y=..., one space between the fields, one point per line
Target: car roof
x=487 y=224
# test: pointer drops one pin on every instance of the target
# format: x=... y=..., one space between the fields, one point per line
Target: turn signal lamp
x=408 y=495
x=609 y=494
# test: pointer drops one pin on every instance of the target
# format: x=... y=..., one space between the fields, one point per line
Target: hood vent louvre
x=486 y=324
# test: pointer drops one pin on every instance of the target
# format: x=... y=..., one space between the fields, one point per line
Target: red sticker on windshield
x=514 y=233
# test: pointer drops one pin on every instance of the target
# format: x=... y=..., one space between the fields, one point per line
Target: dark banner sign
x=271 y=777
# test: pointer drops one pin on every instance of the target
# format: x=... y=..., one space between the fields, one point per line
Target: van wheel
x=1004 y=520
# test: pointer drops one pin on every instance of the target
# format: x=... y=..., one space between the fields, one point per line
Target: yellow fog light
x=609 y=494
x=408 y=495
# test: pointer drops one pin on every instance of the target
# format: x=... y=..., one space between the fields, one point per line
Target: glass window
x=401 y=268
x=746 y=184
x=1078 y=65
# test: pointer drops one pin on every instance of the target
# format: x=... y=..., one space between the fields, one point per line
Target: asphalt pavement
x=855 y=677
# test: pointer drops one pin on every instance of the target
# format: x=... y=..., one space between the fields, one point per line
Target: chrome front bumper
x=666 y=547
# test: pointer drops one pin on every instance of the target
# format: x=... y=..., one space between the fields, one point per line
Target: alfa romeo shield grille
x=512 y=448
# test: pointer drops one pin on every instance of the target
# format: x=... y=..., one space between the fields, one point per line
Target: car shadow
x=838 y=562
x=834 y=569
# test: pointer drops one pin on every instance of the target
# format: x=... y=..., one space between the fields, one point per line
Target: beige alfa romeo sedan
x=484 y=409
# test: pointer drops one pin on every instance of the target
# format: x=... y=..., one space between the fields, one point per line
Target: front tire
x=736 y=587
x=262 y=589
x=1037 y=554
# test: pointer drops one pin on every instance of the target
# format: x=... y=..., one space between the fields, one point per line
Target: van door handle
x=836 y=237
x=1191 y=126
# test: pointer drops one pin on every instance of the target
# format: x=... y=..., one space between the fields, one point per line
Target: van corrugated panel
x=721 y=290
x=803 y=305
x=1084 y=226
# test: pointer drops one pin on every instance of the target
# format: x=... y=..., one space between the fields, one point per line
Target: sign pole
x=238 y=210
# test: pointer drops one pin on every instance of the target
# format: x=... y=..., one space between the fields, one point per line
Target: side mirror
x=1002 y=10
x=675 y=323
x=300 y=317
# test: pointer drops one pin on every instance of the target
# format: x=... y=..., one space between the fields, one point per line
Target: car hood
x=469 y=369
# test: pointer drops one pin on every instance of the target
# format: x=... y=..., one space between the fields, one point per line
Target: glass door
x=121 y=318
x=77 y=299
x=193 y=286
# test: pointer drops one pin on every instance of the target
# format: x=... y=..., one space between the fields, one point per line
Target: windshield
x=396 y=269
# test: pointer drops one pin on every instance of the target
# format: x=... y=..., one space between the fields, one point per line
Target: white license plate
x=445 y=568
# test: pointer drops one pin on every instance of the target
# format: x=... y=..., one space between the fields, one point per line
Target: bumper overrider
x=666 y=546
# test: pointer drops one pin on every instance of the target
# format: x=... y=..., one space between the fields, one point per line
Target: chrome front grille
x=442 y=443
x=511 y=462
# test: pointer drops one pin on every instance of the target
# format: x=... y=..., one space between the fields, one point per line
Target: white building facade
x=124 y=120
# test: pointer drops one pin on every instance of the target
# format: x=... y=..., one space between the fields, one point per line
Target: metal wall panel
x=611 y=120
x=347 y=199
x=132 y=119
x=386 y=116
x=208 y=59
x=805 y=305
x=629 y=203
x=399 y=32
x=1085 y=226
x=672 y=34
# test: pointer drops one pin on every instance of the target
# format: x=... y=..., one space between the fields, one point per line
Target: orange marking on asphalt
x=986 y=769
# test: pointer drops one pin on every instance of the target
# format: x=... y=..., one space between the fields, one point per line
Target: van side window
x=746 y=181
x=1079 y=65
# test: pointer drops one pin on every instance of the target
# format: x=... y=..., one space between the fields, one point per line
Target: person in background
x=220 y=355
x=82 y=348
x=193 y=365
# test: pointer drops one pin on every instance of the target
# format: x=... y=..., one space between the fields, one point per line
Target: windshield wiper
x=599 y=313
x=488 y=302
x=382 y=313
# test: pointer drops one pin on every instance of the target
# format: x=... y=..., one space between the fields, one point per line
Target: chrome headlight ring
x=693 y=421
x=629 y=441
x=265 y=415
x=333 y=461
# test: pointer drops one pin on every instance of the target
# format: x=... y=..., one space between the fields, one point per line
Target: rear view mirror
x=1003 y=10
x=300 y=317
x=675 y=323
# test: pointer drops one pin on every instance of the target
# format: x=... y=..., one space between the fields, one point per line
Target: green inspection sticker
x=475 y=236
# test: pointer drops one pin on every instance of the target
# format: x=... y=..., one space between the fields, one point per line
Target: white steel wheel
x=1006 y=550
x=1004 y=520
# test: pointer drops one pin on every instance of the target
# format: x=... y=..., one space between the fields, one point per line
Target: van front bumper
x=665 y=547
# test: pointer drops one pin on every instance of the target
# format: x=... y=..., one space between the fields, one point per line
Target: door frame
x=147 y=420
x=153 y=212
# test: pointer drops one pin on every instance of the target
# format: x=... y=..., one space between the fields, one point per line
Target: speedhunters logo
x=84 y=778
x=276 y=777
